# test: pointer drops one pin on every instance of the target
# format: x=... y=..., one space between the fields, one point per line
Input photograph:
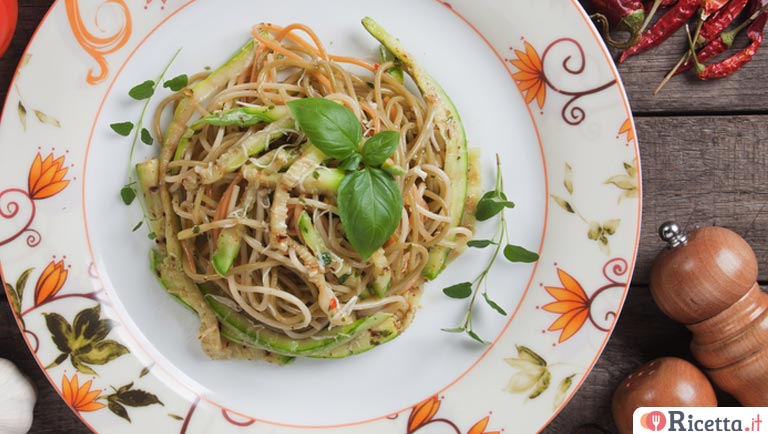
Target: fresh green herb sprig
x=491 y=204
x=143 y=92
x=369 y=201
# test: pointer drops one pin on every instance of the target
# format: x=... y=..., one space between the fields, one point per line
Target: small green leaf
x=476 y=337
x=491 y=204
x=103 y=352
x=87 y=327
x=562 y=390
x=124 y=388
x=22 y=115
x=351 y=163
x=21 y=282
x=563 y=204
x=480 y=243
x=146 y=137
x=568 y=179
x=61 y=331
x=47 y=119
x=455 y=330
x=143 y=90
x=138 y=225
x=519 y=254
x=528 y=354
x=80 y=366
x=58 y=361
x=177 y=83
x=137 y=398
x=13 y=298
x=122 y=128
x=494 y=305
x=152 y=236
x=144 y=371
x=542 y=385
x=370 y=207
x=459 y=290
x=330 y=126
x=128 y=194
x=381 y=146
x=175 y=416
x=117 y=409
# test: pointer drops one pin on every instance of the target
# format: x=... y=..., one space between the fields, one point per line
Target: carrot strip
x=223 y=205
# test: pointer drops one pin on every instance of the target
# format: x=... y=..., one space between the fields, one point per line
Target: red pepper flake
x=376 y=66
x=334 y=303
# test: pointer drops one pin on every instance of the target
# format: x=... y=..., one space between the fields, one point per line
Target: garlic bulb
x=17 y=399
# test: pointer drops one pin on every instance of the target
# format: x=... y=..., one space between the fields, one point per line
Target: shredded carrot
x=354 y=61
x=275 y=46
x=221 y=208
x=372 y=114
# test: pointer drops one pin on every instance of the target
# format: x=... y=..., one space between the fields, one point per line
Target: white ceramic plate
x=532 y=82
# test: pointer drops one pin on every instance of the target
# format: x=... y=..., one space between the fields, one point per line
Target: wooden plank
x=703 y=171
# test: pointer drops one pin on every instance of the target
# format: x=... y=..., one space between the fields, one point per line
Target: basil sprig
x=369 y=201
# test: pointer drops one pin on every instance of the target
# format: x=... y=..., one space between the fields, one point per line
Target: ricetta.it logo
x=653 y=421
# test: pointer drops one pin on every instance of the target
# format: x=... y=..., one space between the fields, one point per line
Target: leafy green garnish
x=379 y=147
x=128 y=194
x=491 y=204
x=143 y=90
x=122 y=128
x=369 y=201
x=177 y=83
x=370 y=208
x=519 y=254
x=330 y=126
x=146 y=137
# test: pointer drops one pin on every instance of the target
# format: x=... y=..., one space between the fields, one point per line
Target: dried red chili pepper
x=711 y=6
x=737 y=61
x=711 y=34
x=623 y=15
x=720 y=21
x=663 y=4
x=668 y=24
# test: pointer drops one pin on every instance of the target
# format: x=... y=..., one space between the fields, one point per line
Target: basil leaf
x=480 y=243
x=330 y=126
x=351 y=163
x=146 y=136
x=122 y=128
x=519 y=254
x=143 y=90
x=491 y=204
x=370 y=207
x=177 y=83
x=381 y=146
x=459 y=290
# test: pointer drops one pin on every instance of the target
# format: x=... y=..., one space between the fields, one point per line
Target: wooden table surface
x=704 y=153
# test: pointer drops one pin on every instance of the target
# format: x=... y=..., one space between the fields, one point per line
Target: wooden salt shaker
x=707 y=281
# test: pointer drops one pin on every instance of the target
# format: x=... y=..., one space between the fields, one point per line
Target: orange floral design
x=572 y=304
x=46 y=177
x=81 y=398
x=50 y=281
x=96 y=46
x=530 y=80
x=626 y=128
x=479 y=427
x=422 y=413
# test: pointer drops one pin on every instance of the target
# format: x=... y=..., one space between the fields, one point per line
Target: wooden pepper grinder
x=707 y=281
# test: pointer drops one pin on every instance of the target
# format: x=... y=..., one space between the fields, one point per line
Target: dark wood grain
x=704 y=147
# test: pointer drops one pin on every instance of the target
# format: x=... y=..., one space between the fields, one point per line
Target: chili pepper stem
x=692 y=51
x=602 y=22
x=730 y=35
x=671 y=73
x=651 y=13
